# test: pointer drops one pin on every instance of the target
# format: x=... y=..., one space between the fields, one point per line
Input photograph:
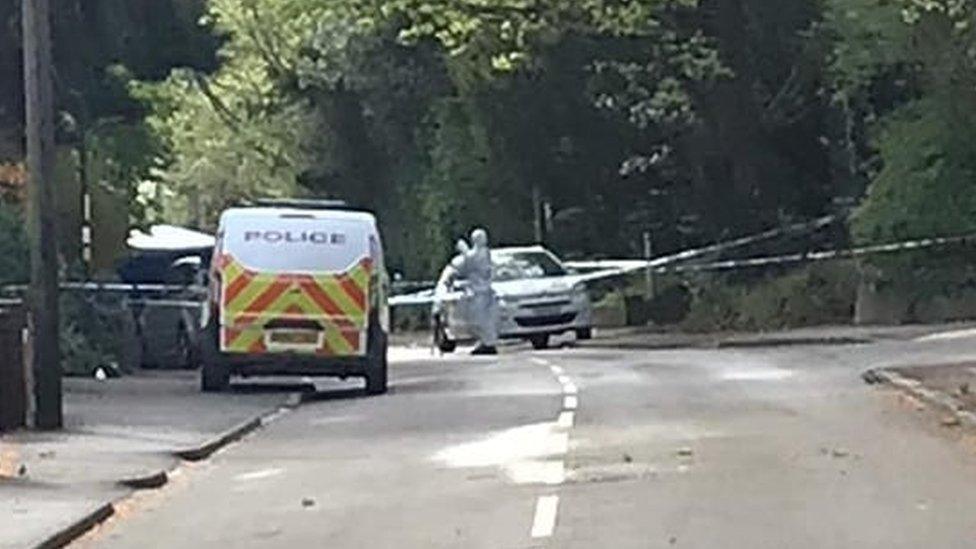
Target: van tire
x=214 y=374
x=376 y=361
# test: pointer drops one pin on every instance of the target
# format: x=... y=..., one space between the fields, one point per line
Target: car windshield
x=520 y=265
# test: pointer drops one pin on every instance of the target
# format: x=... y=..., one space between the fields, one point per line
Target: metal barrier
x=13 y=369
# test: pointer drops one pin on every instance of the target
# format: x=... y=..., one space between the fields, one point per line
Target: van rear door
x=295 y=282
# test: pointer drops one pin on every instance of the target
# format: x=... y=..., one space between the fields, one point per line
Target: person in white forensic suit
x=479 y=304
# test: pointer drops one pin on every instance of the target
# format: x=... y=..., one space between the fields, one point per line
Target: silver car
x=538 y=297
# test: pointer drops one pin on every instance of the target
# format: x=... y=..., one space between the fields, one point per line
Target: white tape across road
x=627 y=265
x=823 y=255
x=612 y=268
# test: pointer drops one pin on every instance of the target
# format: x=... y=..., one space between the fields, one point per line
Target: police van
x=296 y=288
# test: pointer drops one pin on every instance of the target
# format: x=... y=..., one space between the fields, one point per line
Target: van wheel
x=214 y=374
x=376 y=366
x=584 y=334
x=539 y=342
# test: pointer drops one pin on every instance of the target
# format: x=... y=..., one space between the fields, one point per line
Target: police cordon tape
x=601 y=269
x=608 y=268
x=121 y=287
x=118 y=287
x=686 y=255
x=822 y=255
x=663 y=265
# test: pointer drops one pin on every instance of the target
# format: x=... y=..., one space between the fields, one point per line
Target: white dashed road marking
x=544 y=523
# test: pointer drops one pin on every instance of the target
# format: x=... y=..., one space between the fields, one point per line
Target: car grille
x=545 y=304
x=540 y=321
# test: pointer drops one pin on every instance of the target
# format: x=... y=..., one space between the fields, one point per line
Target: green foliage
x=911 y=65
x=226 y=139
x=90 y=328
x=624 y=116
x=501 y=35
x=14 y=263
x=925 y=184
x=815 y=295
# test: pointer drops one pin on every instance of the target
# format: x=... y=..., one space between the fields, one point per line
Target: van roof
x=274 y=213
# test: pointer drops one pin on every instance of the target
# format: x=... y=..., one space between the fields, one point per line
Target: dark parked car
x=166 y=319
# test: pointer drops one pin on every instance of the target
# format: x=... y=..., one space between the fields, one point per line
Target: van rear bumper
x=287 y=364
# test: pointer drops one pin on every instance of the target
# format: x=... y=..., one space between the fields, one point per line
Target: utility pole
x=39 y=102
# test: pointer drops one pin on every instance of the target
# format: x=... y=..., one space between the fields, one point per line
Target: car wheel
x=376 y=367
x=214 y=373
x=584 y=334
x=539 y=342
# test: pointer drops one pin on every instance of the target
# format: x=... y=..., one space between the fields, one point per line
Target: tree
x=911 y=68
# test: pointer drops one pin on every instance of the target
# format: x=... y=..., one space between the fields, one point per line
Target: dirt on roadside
x=956 y=380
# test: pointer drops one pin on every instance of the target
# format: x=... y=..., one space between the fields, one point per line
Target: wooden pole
x=39 y=102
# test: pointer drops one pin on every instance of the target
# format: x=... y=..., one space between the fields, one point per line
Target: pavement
x=119 y=429
x=754 y=447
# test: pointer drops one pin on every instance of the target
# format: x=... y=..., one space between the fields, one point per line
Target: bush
x=93 y=331
x=14 y=251
x=817 y=294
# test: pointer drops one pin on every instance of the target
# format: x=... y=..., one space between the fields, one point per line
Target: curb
x=78 y=528
x=790 y=342
x=914 y=388
x=160 y=478
x=758 y=343
x=207 y=449
x=147 y=482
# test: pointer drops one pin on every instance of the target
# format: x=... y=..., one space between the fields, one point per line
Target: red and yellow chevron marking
x=337 y=303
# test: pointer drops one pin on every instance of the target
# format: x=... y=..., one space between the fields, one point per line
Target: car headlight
x=580 y=291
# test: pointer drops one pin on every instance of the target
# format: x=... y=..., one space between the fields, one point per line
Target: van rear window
x=295 y=244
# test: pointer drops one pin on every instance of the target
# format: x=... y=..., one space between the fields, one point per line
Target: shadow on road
x=333 y=394
x=308 y=391
x=253 y=387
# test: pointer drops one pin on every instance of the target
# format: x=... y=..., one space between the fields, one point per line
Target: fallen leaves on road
x=950 y=421
x=9 y=459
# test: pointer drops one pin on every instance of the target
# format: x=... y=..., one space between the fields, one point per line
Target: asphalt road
x=587 y=448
